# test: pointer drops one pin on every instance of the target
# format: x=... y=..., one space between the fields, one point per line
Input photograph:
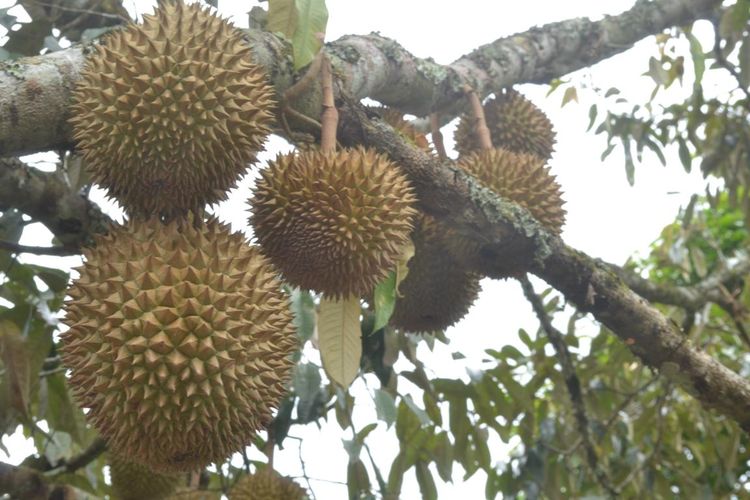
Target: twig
x=481 y=132
x=302 y=463
x=76 y=9
x=573 y=384
x=624 y=404
x=437 y=136
x=96 y=448
x=16 y=248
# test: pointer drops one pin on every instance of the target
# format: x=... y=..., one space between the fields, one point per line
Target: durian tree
x=182 y=359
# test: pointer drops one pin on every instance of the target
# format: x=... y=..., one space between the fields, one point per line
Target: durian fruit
x=522 y=178
x=515 y=124
x=437 y=291
x=267 y=484
x=193 y=494
x=133 y=481
x=180 y=342
x=169 y=114
x=395 y=119
x=333 y=222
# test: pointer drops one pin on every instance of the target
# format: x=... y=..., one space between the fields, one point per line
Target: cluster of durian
x=180 y=338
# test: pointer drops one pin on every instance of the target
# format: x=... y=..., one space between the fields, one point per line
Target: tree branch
x=47 y=198
x=512 y=241
x=16 y=248
x=573 y=384
x=712 y=289
x=37 y=90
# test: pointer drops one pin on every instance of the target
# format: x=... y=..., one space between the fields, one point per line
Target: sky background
x=606 y=218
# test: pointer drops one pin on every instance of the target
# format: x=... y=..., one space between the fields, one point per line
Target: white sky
x=606 y=218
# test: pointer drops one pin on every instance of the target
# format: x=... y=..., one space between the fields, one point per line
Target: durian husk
x=395 y=119
x=179 y=343
x=517 y=177
x=267 y=484
x=168 y=114
x=515 y=124
x=193 y=494
x=437 y=291
x=133 y=481
x=333 y=222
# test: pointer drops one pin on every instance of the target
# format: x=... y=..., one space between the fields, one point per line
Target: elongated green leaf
x=384 y=299
x=339 y=339
x=303 y=22
x=699 y=59
x=385 y=406
x=306 y=383
x=357 y=479
x=426 y=482
x=303 y=308
x=745 y=61
x=17 y=370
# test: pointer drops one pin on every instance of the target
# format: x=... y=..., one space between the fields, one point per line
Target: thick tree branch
x=512 y=240
x=35 y=92
x=47 y=198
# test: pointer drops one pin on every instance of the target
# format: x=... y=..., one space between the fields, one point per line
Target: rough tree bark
x=372 y=66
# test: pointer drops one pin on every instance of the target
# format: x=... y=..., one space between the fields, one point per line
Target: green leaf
x=384 y=299
x=303 y=22
x=306 y=383
x=385 y=406
x=424 y=419
x=339 y=339
x=303 y=308
x=571 y=94
x=357 y=479
x=426 y=482
x=18 y=374
x=592 y=116
x=684 y=154
x=699 y=58
x=62 y=413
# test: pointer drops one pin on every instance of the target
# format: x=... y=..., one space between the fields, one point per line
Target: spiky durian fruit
x=133 y=481
x=168 y=114
x=437 y=291
x=515 y=124
x=522 y=178
x=267 y=485
x=395 y=119
x=180 y=342
x=333 y=222
x=191 y=494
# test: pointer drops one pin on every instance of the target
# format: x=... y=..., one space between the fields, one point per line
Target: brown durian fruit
x=169 y=114
x=522 y=178
x=180 y=342
x=192 y=494
x=395 y=119
x=267 y=485
x=133 y=481
x=515 y=124
x=333 y=222
x=437 y=291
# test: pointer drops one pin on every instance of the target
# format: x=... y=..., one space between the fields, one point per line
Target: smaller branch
x=689 y=297
x=481 y=132
x=16 y=248
x=302 y=464
x=437 y=136
x=61 y=6
x=96 y=448
x=624 y=404
x=573 y=384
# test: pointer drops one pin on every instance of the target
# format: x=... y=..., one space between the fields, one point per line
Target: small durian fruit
x=395 y=119
x=333 y=222
x=168 y=114
x=193 y=494
x=133 y=481
x=522 y=178
x=180 y=342
x=437 y=291
x=267 y=484
x=515 y=124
